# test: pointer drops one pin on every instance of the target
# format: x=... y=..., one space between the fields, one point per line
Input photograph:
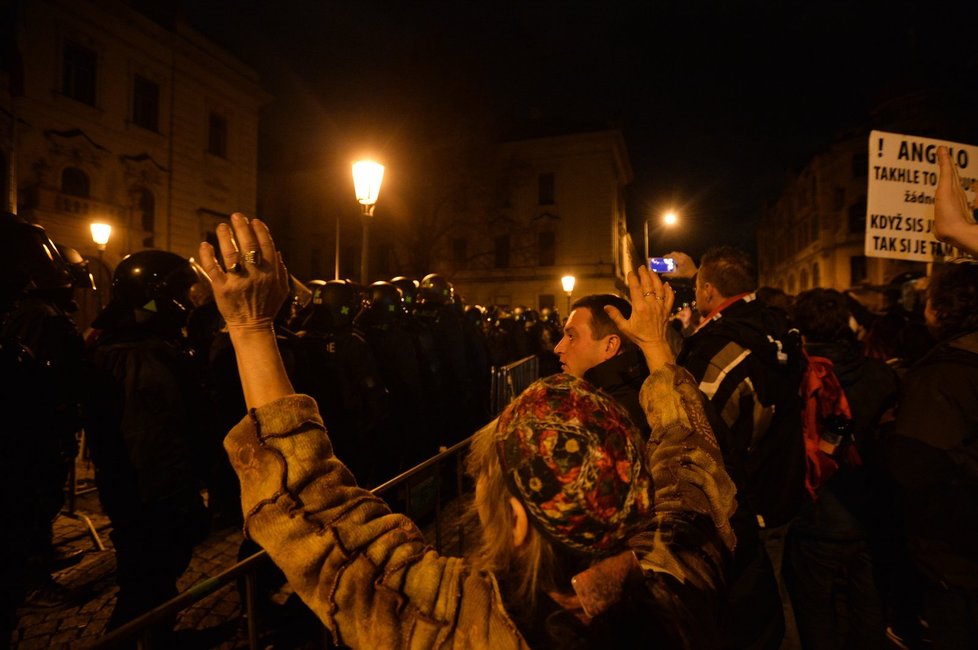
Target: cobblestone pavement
x=85 y=593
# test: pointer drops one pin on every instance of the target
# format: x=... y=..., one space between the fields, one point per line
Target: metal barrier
x=141 y=628
x=511 y=380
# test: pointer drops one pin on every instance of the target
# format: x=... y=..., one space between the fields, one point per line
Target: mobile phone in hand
x=662 y=264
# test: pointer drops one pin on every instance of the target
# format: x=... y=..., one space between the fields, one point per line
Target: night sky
x=718 y=102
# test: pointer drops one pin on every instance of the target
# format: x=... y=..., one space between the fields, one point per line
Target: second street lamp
x=568 y=283
x=669 y=219
x=100 y=236
x=367 y=177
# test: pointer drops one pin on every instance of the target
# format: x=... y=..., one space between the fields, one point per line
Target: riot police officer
x=142 y=418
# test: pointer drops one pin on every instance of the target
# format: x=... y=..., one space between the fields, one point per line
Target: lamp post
x=367 y=177
x=568 y=283
x=100 y=235
x=669 y=219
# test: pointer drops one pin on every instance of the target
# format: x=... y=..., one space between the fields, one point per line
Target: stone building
x=813 y=234
x=558 y=209
x=108 y=115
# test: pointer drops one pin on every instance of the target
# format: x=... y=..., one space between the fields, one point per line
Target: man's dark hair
x=728 y=269
x=601 y=323
x=953 y=295
x=822 y=315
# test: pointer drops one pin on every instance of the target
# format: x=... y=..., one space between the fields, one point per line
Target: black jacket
x=933 y=457
x=749 y=365
x=621 y=376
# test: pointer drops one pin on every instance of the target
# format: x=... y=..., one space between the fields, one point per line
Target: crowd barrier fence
x=507 y=382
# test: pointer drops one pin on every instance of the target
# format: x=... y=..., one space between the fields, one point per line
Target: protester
x=595 y=349
x=932 y=456
x=954 y=220
x=748 y=364
x=370 y=576
x=830 y=542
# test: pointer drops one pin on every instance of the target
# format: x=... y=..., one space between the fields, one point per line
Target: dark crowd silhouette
x=704 y=462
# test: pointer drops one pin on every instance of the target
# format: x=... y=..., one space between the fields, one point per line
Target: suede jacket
x=375 y=583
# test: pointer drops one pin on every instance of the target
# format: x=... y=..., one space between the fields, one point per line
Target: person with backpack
x=748 y=363
x=847 y=398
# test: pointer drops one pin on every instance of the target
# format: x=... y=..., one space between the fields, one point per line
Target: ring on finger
x=252 y=257
x=236 y=268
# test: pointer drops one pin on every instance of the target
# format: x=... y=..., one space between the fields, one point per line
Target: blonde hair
x=525 y=570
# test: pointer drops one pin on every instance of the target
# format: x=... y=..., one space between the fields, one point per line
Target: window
x=816 y=279
x=546 y=187
x=75 y=182
x=460 y=252
x=145 y=103
x=501 y=250
x=79 y=66
x=803 y=279
x=546 y=250
x=857 y=269
x=857 y=216
x=860 y=165
x=814 y=226
x=217 y=135
x=145 y=204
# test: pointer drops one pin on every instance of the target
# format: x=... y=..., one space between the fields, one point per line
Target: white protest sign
x=900 y=196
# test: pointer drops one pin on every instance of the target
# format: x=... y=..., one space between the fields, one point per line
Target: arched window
x=803 y=279
x=791 y=284
x=74 y=182
x=144 y=204
x=816 y=280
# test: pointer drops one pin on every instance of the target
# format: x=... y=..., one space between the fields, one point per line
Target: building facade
x=813 y=235
x=558 y=209
x=109 y=116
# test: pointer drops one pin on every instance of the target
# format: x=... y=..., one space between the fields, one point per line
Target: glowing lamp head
x=670 y=218
x=367 y=177
x=568 y=283
x=100 y=234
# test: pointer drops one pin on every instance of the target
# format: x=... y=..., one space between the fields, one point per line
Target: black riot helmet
x=476 y=315
x=334 y=305
x=436 y=290
x=29 y=259
x=410 y=292
x=385 y=304
x=81 y=276
x=147 y=286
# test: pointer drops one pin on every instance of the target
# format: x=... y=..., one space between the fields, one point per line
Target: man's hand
x=685 y=268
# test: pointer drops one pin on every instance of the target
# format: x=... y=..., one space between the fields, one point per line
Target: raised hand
x=251 y=291
x=953 y=221
x=652 y=302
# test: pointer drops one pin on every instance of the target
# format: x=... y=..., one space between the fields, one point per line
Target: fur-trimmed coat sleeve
x=367 y=573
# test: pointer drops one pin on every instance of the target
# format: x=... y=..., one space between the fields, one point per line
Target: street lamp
x=367 y=177
x=568 y=283
x=100 y=235
x=669 y=219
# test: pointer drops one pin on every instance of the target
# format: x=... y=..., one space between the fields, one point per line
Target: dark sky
x=718 y=101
